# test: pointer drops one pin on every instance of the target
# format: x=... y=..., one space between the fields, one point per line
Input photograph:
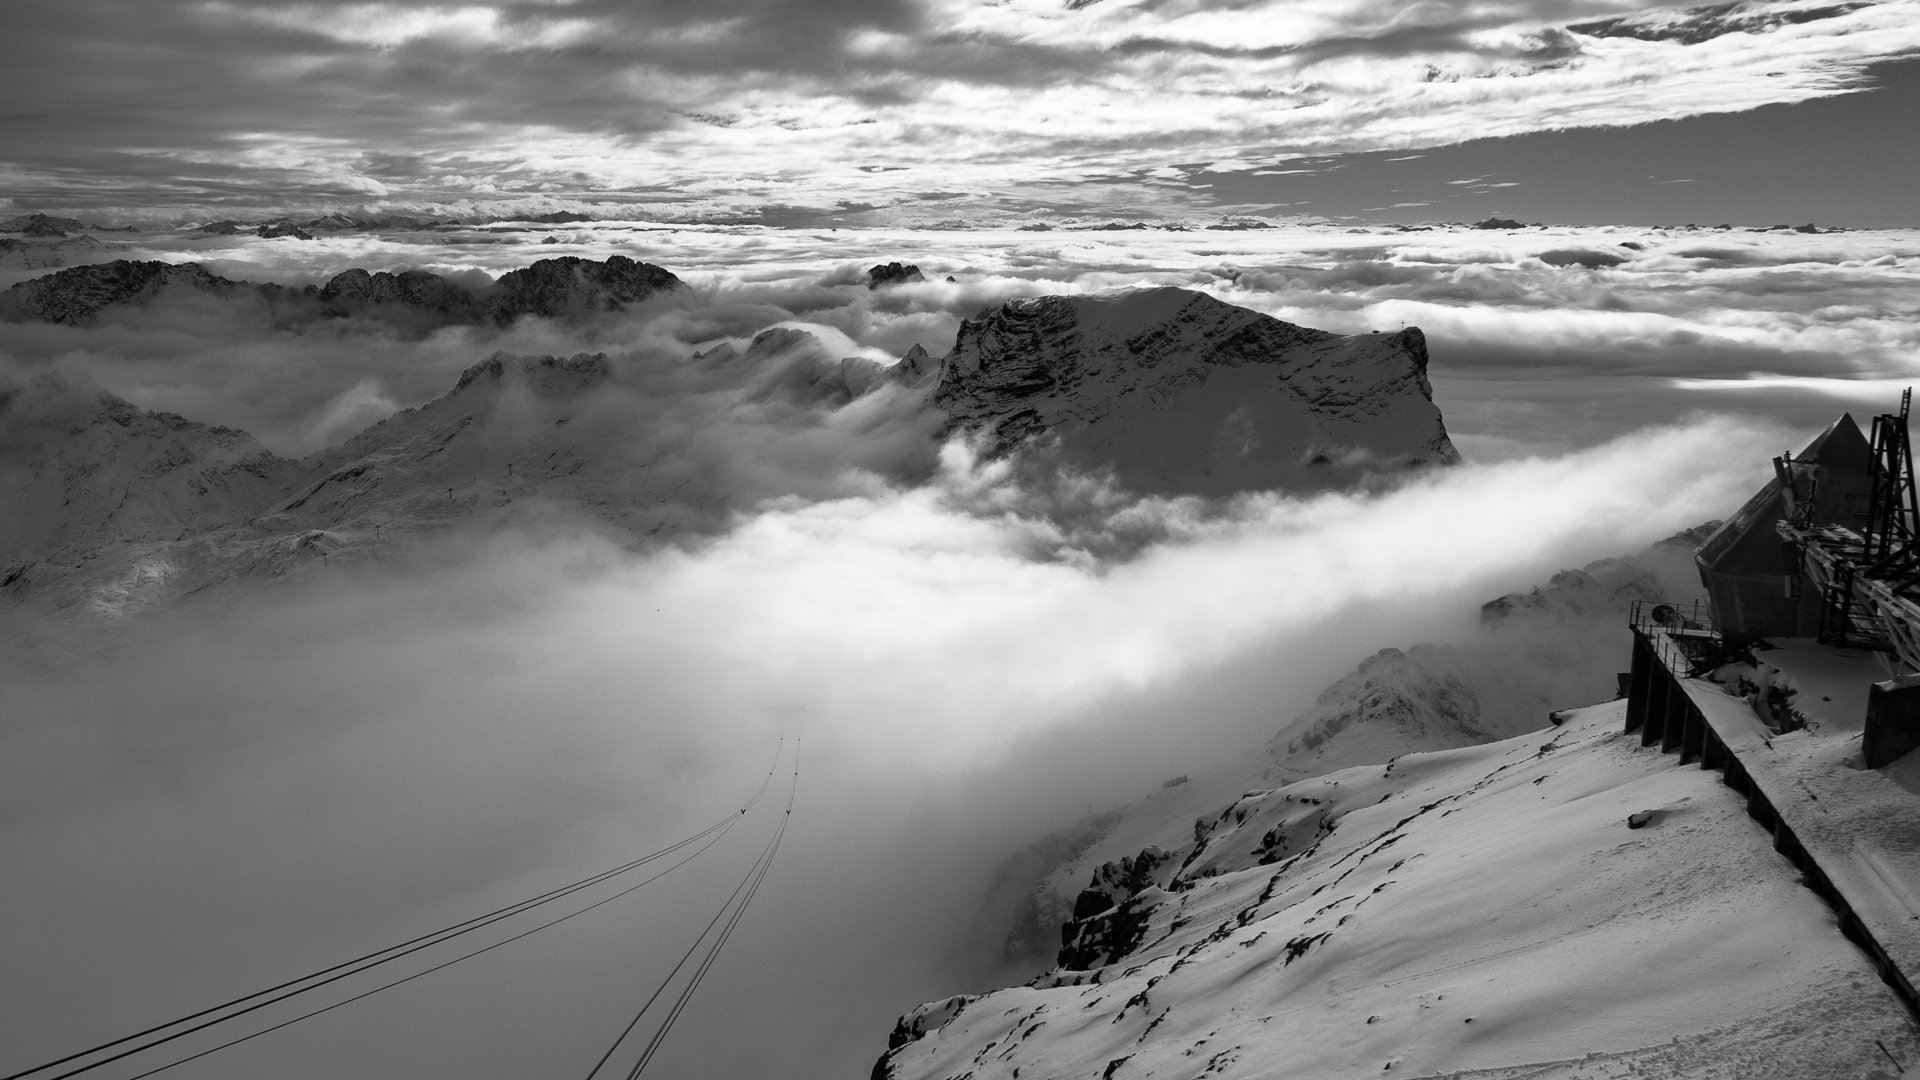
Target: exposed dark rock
x=1592 y=260
x=353 y=291
x=1498 y=223
x=561 y=217
x=1110 y=916
x=75 y=295
x=1176 y=391
x=551 y=288
x=276 y=229
x=570 y=285
x=42 y=225
x=893 y=273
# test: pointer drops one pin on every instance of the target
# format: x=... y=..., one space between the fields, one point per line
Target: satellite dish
x=1664 y=615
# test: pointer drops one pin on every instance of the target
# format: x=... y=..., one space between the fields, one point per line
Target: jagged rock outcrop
x=1110 y=915
x=276 y=229
x=1178 y=392
x=1532 y=653
x=550 y=288
x=893 y=273
x=570 y=285
x=1482 y=911
x=42 y=225
x=35 y=253
x=79 y=293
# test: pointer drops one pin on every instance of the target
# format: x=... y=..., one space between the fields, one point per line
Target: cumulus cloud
x=746 y=106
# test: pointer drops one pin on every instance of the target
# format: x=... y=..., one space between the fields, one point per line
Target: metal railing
x=1684 y=636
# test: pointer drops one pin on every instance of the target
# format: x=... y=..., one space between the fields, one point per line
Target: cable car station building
x=1799 y=677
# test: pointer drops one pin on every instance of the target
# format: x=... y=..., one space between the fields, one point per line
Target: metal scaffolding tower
x=1869 y=581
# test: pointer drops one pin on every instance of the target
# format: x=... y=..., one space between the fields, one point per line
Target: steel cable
x=751 y=885
x=325 y=976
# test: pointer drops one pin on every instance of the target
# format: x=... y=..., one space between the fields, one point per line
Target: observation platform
x=1785 y=722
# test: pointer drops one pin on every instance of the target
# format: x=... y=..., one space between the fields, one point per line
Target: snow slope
x=1533 y=653
x=1482 y=911
x=1180 y=393
x=82 y=470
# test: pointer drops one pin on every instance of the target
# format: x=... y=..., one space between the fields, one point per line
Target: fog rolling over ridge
x=1024 y=506
x=519 y=680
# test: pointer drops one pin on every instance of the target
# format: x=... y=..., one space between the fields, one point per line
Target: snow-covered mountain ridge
x=1484 y=911
x=1531 y=654
x=549 y=288
x=1178 y=392
x=639 y=443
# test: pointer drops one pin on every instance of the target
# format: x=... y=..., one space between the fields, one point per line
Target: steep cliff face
x=1485 y=911
x=1177 y=392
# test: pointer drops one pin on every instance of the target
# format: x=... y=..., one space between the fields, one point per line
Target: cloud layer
x=221 y=801
x=246 y=790
x=1542 y=340
x=928 y=107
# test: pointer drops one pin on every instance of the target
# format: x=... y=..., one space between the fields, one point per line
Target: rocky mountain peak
x=550 y=288
x=549 y=376
x=78 y=293
x=570 y=285
x=80 y=465
x=1181 y=393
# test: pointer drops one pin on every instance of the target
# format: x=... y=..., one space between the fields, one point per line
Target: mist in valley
x=261 y=779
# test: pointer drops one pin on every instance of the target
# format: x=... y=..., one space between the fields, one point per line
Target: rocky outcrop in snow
x=567 y=287
x=1180 y=393
x=1485 y=911
x=97 y=490
x=45 y=254
x=1533 y=653
x=81 y=464
x=77 y=294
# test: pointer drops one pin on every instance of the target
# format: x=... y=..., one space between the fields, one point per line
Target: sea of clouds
x=222 y=796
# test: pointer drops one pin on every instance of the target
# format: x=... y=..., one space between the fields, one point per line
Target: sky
x=917 y=112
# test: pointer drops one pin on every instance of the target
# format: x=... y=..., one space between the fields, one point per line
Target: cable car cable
x=700 y=974
x=756 y=875
x=431 y=970
x=391 y=952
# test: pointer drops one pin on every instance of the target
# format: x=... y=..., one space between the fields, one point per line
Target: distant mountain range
x=550 y=288
x=1171 y=391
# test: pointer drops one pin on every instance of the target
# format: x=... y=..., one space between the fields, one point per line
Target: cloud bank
x=244 y=790
x=1543 y=340
x=220 y=800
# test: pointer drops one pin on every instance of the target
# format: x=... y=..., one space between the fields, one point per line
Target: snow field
x=1482 y=909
